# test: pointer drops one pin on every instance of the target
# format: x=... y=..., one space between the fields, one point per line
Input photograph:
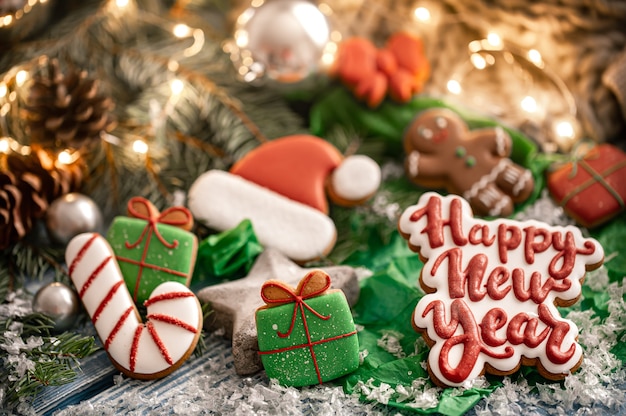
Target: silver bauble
x=283 y=40
x=60 y=303
x=70 y=215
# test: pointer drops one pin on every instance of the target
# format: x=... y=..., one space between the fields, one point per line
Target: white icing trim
x=501 y=137
x=413 y=162
x=358 y=177
x=521 y=182
x=416 y=229
x=171 y=319
x=500 y=205
x=221 y=200
x=486 y=179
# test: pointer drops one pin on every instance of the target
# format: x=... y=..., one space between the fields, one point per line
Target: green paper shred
x=227 y=255
x=612 y=236
x=390 y=119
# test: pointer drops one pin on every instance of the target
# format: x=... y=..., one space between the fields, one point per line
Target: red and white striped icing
x=140 y=350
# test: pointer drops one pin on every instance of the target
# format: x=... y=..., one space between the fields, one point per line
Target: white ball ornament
x=70 y=215
x=281 y=40
x=60 y=303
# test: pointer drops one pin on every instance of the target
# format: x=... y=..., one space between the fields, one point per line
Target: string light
x=565 y=129
x=5 y=145
x=422 y=14
x=494 y=40
x=121 y=4
x=535 y=57
x=21 y=77
x=529 y=104
x=454 y=87
x=325 y=9
x=478 y=61
x=181 y=30
x=10 y=19
x=551 y=121
x=67 y=157
x=176 y=87
x=140 y=147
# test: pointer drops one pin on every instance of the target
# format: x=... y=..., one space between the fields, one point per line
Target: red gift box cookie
x=592 y=189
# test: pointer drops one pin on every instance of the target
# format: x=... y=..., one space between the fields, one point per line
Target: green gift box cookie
x=306 y=336
x=152 y=247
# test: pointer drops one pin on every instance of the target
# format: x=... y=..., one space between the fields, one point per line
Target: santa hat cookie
x=303 y=167
x=281 y=186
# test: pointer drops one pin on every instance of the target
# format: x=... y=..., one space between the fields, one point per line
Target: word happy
x=492 y=288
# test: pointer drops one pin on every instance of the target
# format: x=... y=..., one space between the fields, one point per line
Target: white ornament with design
x=140 y=350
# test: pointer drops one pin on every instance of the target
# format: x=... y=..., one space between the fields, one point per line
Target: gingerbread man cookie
x=443 y=153
x=493 y=288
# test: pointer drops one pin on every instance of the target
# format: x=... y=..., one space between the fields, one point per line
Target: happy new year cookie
x=443 y=153
x=140 y=350
x=492 y=290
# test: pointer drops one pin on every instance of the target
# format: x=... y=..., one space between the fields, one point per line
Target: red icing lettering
x=567 y=254
x=531 y=246
x=522 y=330
x=498 y=277
x=485 y=239
x=473 y=274
x=509 y=238
x=460 y=315
x=493 y=320
x=435 y=222
x=560 y=329
x=536 y=291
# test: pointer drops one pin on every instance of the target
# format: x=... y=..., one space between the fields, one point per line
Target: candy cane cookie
x=140 y=350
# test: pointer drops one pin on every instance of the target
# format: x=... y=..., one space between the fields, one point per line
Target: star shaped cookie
x=234 y=303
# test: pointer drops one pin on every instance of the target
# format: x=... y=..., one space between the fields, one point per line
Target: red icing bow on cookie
x=276 y=293
x=143 y=209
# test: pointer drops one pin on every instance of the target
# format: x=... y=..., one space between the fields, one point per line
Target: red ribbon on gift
x=143 y=209
x=311 y=285
x=315 y=283
x=595 y=176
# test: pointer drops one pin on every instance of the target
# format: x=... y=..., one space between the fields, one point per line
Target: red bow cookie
x=400 y=68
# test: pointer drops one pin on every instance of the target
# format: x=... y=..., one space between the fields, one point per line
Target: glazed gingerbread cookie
x=140 y=350
x=443 y=153
x=493 y=289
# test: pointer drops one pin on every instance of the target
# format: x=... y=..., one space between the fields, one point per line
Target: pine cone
x=11 y=226
x=27 y=188
x=65 y=110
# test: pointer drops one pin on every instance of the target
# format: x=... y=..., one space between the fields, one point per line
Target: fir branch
x=33 y=358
